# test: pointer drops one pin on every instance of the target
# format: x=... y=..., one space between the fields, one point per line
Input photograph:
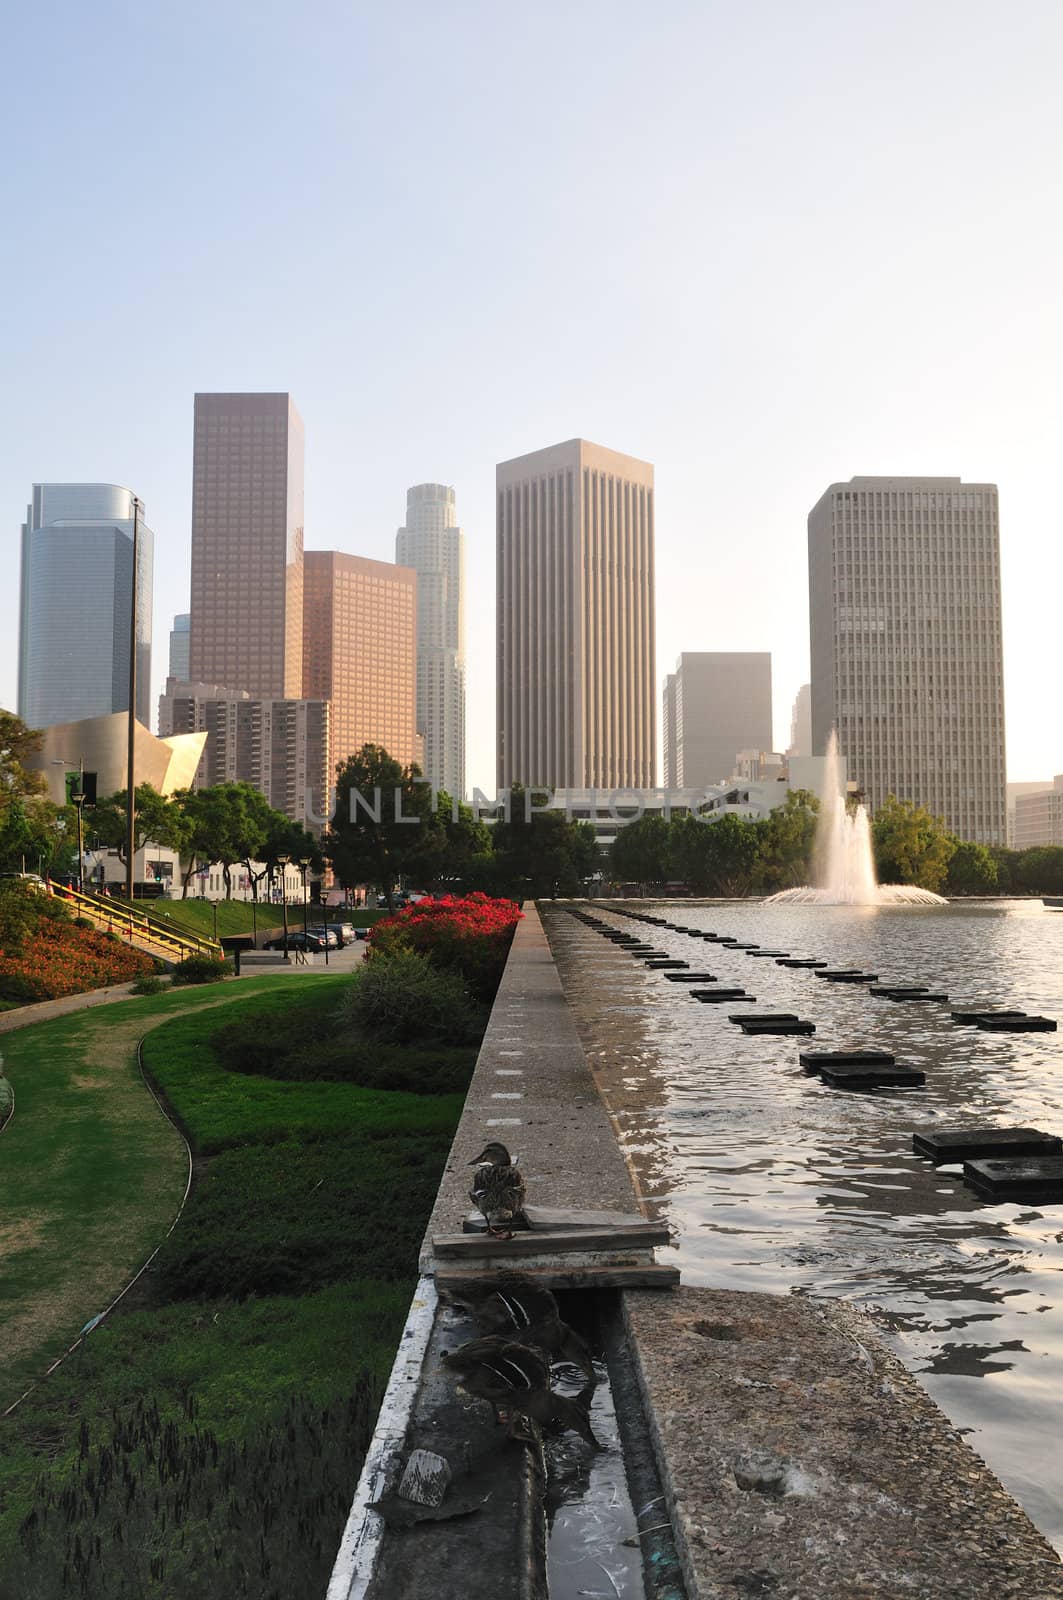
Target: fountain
x=844 y=860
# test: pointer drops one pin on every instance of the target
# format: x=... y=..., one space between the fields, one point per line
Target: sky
x=766 y=247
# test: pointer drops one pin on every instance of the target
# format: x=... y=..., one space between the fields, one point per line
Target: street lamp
x=282 y=862
x=77 y=799
x=304 y=863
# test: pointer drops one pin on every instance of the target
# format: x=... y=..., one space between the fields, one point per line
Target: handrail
x=137 y=924
x=158 y=924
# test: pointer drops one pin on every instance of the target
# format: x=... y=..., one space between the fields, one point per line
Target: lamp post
x=304 y=863
x=131 y=739
x=282 y=862
x=77 y=800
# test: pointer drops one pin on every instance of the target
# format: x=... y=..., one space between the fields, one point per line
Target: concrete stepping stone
x=848 y=977
x=816 y=1060
x=1016 y=1024
x=973 y=1144
x=796 y=961
x=691 y=977
x=901 y=988
x=794 y=1026
x=833 y=972
x=971 y=1017
x=1033 y=1178
x=762 y=953
x=710 y=995
x=665 y=966
x=907 y=994
x=852 y=1075
x=739 y=944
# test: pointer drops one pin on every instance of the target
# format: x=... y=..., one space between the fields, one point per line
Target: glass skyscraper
x=76 y=595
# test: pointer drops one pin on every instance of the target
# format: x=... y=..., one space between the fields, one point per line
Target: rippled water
x=776 y=1182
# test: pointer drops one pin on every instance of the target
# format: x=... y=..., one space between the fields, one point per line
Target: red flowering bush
x=470 y=934
x=56 y=958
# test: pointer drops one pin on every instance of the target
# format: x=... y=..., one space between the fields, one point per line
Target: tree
x=219 y=827
x=971 y=870
x=1039 y=870
x=540 y=852
x=459 y=847
x=910 y=845
x=642 y=851
x=716 y=856
x=156 y=820
x=786 y=840
x=384 y=826
x=28 y=820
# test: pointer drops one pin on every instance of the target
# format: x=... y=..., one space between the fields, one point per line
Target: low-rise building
x=1039 y=816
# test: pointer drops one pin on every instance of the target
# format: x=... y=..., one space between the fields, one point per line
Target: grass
x=221 y=1420
x=239 y=916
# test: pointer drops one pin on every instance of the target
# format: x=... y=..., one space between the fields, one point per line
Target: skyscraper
x=179 y=662
x=907 y=660
x=801 y=723
x=75 y=604
x=247 y=544
x=360 y=653
x=575 y=619
x=716 y=703
x=434 y=546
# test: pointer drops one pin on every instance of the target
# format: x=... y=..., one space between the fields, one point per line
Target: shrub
x=470 y=934
x=313 y=1051
x=405 y=999
x=149 y=984
x=201 y=969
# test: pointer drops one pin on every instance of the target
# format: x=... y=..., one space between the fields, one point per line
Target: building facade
x=575 y=619
x=360 y=653
x=1039 y=817
x=76 y=602
x=278 y=746
x=801 y=723
x=179 y=664
x=247 y=544
x=907 y=658
x=716 y=703
x=434 y=546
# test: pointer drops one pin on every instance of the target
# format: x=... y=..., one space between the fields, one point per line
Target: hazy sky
x=764 y=246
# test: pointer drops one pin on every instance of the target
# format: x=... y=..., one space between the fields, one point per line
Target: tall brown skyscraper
x=907 y=659
x=246 y=629
x=575 y=619
x=360 y=652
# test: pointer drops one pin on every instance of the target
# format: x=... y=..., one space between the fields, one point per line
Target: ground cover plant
x=45 y=954
x=207 y=1440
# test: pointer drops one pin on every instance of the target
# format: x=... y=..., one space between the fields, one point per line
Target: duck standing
x=498 y=1191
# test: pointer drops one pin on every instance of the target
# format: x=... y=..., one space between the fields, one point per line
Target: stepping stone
x=691 y=977
x=710 y=995
x=976 y=1016
x=816 y=1060
x=834 y=972
x=757 y=953
x=737 y=944
x=973 y=1144
x=793 y=961
x=851 y=1075
x=1016 y=1024
x=792 y=1026
x=848 y=977
x=907 y=994
x=766 y=1016
x=901 y=988
x=1037 y=1178
x=663 y=966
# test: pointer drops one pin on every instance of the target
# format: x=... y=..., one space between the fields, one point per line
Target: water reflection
x=777 y=1183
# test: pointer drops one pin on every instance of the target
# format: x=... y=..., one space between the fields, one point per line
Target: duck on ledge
x=498 y=1190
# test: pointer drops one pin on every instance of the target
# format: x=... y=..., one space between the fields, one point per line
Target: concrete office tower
x=1039 y=816
x=907 y=662
x=434 y=546
x=801 y=723
x=360 y=653
x=279 y=746
x=179 y=637
x=247 y=544
x=76 y=598
x=716 y=703
x=575 y=619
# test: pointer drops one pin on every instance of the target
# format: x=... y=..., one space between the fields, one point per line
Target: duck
x=512 y=1306
x=498 y=1190
x=511 y=1375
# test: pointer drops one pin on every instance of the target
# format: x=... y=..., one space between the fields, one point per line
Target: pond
x=776 y=1183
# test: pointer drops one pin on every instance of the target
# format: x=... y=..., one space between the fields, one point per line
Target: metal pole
x=81 y=827
x=130 y=813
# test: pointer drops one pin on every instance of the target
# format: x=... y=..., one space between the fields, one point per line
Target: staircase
x=142 y=930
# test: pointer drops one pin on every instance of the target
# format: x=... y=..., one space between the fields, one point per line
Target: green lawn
x=237 y=1391
x=238 y=916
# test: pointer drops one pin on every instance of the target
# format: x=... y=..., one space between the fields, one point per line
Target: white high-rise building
x=179 y=657
x=76 y=602
x=907 y=660
x=434 y=546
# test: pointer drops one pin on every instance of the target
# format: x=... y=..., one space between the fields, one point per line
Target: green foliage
x=715 y=857
x=538 y=853
x=971 y=870
x=404 y=999
x=642 y=851
x=149 y=984
x=786 y=840
x=910 y=845
x=384 y=826
x=1039 y=870
x=22 y=910
x=155 y=820
x=338 y=1055
x=201 y=969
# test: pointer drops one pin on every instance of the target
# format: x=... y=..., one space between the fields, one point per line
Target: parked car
x=329 y=936
x=346 y=931
x=298 y=940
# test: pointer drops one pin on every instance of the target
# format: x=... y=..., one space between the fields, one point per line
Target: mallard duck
x=498 y=1190
x=513 y=1376
x=513 y=1306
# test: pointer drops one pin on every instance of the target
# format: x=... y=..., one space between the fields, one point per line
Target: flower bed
x=470 y=934
x=57 y=958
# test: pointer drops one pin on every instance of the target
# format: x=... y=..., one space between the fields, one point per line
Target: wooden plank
x=528 y=1242
x=1035 y=1178
x=635 y=1276
x=973 y=1144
